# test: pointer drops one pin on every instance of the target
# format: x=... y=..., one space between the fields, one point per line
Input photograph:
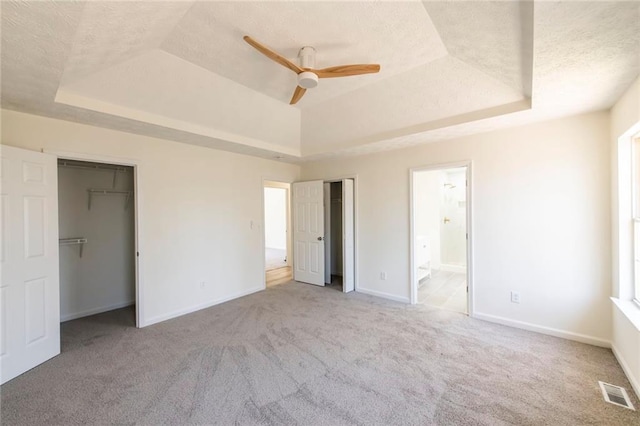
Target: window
x=635 y=187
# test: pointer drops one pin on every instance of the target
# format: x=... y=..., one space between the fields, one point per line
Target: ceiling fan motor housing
x=307 y=80
x=307 y=58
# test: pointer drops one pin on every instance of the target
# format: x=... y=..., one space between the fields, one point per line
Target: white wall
x=626 y=331
x=453 y=243
x=275 y=218
x=200 y=210
x=541 y=196
x=104 y=278
x=426 y=194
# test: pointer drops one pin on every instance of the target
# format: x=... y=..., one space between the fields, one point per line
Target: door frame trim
x=138 y=215
x=413 y=288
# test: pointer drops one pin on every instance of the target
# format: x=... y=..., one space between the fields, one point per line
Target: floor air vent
x=616 y=395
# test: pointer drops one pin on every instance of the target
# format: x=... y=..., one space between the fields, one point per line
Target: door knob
x=320 y=238
x=446 y=220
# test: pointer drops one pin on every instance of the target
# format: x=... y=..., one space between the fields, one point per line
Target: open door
x=30 y=289
x=348 y=274
x=308 y=232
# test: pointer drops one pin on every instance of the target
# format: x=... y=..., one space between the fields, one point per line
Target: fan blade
x=347 y=70
x=297 y=95
x=273 y=55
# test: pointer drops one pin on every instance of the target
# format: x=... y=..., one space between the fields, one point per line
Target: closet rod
x=73 y=242
x=108 y=191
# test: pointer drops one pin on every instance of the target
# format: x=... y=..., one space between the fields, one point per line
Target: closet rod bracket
x=72 y=242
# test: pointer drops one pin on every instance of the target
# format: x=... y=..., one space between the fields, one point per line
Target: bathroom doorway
x=440 y=248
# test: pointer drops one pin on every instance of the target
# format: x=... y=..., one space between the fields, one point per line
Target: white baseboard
x=635 y=384
x=191 y=309
x=544 y=330
x=383 y=295
x=94 y=311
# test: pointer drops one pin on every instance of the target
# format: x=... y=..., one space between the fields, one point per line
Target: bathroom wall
x=104 y=277
x=275 y=218
x=426 y=195
x=453 y=207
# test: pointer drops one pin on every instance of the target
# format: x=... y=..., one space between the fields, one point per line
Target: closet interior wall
x=336 y=228
x=99 y=274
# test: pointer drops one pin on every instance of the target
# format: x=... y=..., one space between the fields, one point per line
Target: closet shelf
x=72 y=242
x=104 y=167
x=92 y=192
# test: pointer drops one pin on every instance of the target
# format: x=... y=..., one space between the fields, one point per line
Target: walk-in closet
x=96 y=214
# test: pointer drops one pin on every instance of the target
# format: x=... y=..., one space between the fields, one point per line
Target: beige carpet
x=300 y=354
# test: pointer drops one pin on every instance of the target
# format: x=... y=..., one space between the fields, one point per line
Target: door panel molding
x=30 y=305
x=308 y=233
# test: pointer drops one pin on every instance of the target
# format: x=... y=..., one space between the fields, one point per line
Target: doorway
x=276 y=233
x=97 y=255
x=324 y=233
x=439 y=233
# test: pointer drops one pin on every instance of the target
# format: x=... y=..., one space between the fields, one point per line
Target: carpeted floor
x=300 y=354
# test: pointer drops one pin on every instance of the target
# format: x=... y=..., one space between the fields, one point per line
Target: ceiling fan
x=307 y=75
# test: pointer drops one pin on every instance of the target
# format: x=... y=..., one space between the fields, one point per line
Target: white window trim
x=635 y=216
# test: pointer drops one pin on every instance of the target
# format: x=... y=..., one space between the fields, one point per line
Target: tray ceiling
x=181 y=70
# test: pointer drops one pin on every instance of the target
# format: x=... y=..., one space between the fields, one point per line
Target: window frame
x=635 y=216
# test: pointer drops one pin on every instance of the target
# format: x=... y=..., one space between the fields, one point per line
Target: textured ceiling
x=210 y=35
x=495 y=37
x=106 y=35
x=181 y=71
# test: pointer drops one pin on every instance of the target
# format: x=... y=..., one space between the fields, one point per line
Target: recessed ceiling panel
x=397 y=35
x=181 y=71
x=145 y=88
x=437 y=91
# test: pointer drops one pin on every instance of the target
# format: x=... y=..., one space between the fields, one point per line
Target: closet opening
x=324 y=224
x=333 y=268
x=97 y=231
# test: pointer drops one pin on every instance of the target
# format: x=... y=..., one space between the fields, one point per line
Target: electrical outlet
x=383 y=275
x=515 y=297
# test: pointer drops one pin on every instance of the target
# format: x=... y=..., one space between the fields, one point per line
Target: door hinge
x=138 y=254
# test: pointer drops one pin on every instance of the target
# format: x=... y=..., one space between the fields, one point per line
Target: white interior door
x=308 y=232
x=348 y=252
x=327 y=232
x=29 y=289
